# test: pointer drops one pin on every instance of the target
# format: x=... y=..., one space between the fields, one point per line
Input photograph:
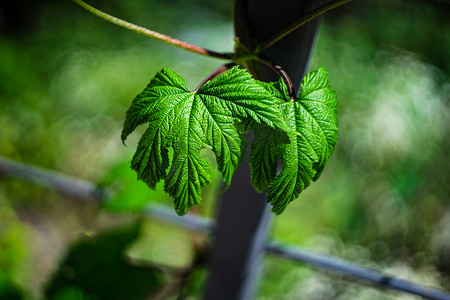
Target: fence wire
x=89 y=191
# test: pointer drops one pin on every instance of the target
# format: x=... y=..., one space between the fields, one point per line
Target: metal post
x=244 y=217
x=239 y=240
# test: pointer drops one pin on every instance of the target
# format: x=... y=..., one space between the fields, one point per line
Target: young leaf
x=266 y=148
x=190 y=121
x=314 y=118
x=265 y=152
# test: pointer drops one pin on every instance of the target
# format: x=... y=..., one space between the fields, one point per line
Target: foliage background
x=67 y=78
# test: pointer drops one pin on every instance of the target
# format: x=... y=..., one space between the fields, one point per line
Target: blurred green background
x=67 y=78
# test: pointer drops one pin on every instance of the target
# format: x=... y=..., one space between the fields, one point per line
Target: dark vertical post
x=257 y=20
x=243 y=216
x=240 y=236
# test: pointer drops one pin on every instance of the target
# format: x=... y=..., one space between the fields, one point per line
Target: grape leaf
x=190 y=121
x=313 y=116
x=93 y=264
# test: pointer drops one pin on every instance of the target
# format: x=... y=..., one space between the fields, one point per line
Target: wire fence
x=91 y=192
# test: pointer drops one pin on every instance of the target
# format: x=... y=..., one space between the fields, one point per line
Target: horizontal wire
x=86 y=190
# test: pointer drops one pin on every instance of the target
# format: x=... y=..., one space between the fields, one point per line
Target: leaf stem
x=303 y=20
x=214 y=74
x=280 y=71
x=153 y=34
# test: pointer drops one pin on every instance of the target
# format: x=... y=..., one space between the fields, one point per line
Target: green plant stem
x=303 y=20
x=153 y=34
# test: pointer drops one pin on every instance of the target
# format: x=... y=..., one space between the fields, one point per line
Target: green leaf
x=265 y=148
x=190 y=121
x=94 y=264
x=313 y=117
x=320 y=103
x=9 y=290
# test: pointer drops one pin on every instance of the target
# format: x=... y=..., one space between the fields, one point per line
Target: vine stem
x=214 y=74
x=303 y=20
x=282 y=73
x=153 y=34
